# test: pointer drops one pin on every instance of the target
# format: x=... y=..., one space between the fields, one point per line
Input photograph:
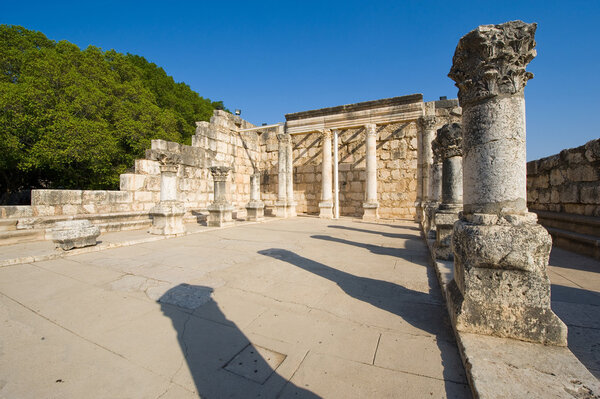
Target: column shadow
x=382 y=233
x=416 y=308
x=413 y=252
x=221 y=359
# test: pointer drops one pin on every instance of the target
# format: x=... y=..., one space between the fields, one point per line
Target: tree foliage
x=72 y=118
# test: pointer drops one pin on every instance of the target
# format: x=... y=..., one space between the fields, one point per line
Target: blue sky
x=269 y=58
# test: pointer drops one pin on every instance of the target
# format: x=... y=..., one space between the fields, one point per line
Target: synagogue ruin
x=457 y=167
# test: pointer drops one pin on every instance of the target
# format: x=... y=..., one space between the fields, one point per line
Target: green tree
x=72 y=118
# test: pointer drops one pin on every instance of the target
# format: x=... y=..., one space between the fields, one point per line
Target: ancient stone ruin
x=456 y=167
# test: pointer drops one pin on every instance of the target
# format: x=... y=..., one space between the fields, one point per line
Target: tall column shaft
x=336 y=186
x=326 y=204
x=427 y=124
x=371 y=163
x=495 y=168
x=289 y=181
x=370 y=206
x=282 y=165
x=219 y=212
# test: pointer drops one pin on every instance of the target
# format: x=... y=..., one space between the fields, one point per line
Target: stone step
x=20 y=236
x=8 y=224
x=567 y=221
x=584 y=244
x=128 y=225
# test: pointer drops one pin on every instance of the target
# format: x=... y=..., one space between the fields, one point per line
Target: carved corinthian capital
x=449 y=140
x=491 y=61
x=219 y=173
x=437 y=150
x=427 y=122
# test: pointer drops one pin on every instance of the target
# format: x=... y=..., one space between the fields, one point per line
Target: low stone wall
x=567 y=182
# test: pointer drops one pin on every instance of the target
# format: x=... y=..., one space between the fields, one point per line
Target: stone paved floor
x=576 y=300
x=289 y=308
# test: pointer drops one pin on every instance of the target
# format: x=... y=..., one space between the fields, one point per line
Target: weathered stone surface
x=500 y=284
x=167 y=218
x=444 y=224
x=491 y=60
x=75 y=234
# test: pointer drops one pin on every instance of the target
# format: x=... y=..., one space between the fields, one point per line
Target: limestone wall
x=397 y=165
x=566 y=182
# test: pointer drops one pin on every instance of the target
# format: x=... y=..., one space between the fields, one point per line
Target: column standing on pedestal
x=370 y=205
x=167 y=215
x=281 y=203
x=219 y=212
x=449 y=141
x=289 y=181
x=326 y=204
x=434 y=190
x=255 y=208
x=427 y=124
x=500 y=284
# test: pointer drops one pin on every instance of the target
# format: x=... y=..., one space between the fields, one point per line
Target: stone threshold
x=56 y=254
x=508 y=368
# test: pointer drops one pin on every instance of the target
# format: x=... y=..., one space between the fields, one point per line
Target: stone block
x=119 y=197
x=17 y=211
x=56 y=197
x=146 y=167
x=152 y=183
x=95 y=197
x=590 y=194
x=173 y=147
x=45 y=210
x=143 y=196
x=132 y=182
x=74 y=234
x=160 y=145
x=569 y=193
x=592 y=150
x=583 y=173
x=70 y=209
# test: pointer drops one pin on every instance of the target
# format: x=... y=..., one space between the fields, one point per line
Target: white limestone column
x=500 y=285
x=255 y=207
x=289 y=181
x=168 y=182
x=326 y=204
x=370 y=205
x=425 y=160
x=281 y=203
x=336 y=185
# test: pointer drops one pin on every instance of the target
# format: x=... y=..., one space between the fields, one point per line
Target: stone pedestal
x=371 y=205
x=326 y=204
x=449 y=141
x=167 y=215
x=219 y=212
x=500 y=284
x=75 y=234
x=255 y=209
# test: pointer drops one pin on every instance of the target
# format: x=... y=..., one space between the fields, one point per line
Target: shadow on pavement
x=222 y=361
x=414 y=251
x=382 y=233
x=414 y=307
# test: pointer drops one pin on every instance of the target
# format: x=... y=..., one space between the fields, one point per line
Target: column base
x=281 y=209
x=219 y=215
x=429 y=211
x=291 y=209
x=418 y=212
x=444 y=223
x=326 y=210
x=500 y=284
x=167 y=218
x=370 y=211
x=255 y=211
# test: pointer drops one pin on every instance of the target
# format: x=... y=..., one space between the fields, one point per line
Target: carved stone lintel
x=491 y=61
x=449 y=140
